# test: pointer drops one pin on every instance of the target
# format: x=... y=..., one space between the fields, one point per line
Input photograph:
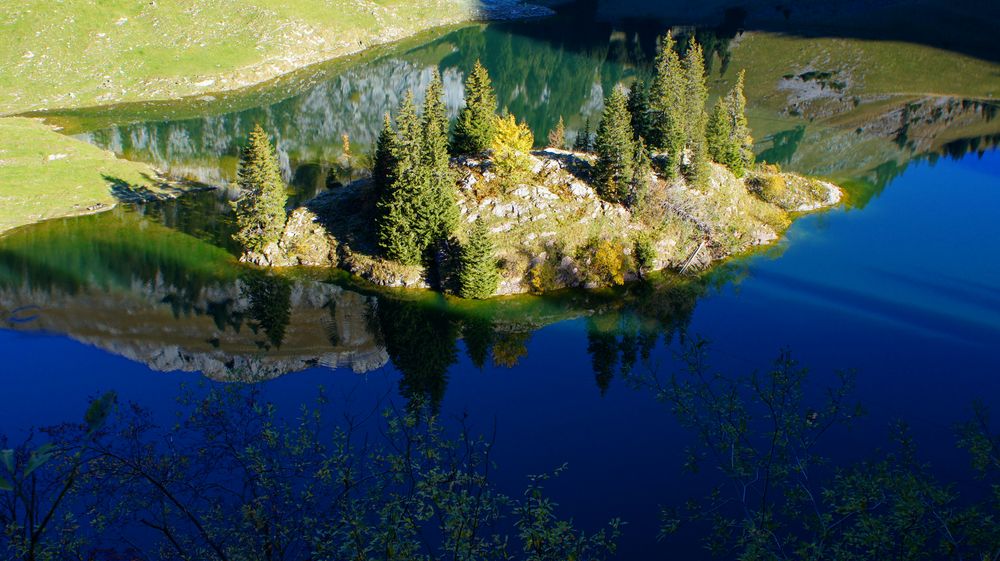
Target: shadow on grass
x=164 y=189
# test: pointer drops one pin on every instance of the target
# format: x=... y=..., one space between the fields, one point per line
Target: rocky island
x=480 y=212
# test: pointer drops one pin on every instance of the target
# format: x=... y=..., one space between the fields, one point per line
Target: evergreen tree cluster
x=623 y=171
x=729 y=140
x=615 y=166
x=260 y=208
x=416 y=208
x=413 y=181
x=414 y=187
x=668 y=116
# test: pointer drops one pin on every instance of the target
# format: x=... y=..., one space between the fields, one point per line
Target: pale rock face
x=580 y=190
x=544 y=193
x=536 y=166
x=551 y=166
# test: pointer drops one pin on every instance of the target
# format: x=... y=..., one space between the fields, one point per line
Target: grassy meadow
x=44 y=174
x=75 y=53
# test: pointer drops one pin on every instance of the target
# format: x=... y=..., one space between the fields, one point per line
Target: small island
x=478 y=212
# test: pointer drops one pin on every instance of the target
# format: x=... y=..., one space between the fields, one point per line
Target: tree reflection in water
x=422 y=343
x=235 y=479
x=270 y=310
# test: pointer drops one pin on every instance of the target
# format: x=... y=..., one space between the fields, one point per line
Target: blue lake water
x=906 y=292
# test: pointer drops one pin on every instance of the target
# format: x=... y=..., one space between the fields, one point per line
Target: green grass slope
x=44 y=174
x=73 y=53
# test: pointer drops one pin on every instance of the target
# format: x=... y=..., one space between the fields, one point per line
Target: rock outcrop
x=553 y=230
x=304 y=243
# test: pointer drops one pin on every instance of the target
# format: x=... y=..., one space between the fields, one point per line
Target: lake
x=900 y=285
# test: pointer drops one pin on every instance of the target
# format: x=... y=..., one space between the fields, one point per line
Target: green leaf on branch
x=38 y=458
x=98 y=412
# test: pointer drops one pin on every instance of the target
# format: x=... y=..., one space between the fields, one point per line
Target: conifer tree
x=696 y=95
x=399 y=234
x=478 y=276
x=582 y=143
x=638 y=107
x=742 y=140
x=557 y=136
x=439 y=210
x=474 y=130
x=667 y=104
x=613 y=171
x=642 y=173
x=729 y=139
x=384 y=161
x=718 y=133
x=698 y=170
x=260 y=208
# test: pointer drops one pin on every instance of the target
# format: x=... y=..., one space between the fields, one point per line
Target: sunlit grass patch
x=44 y=174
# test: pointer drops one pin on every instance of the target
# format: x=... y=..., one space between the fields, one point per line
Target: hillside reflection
x=544 y=70
x=134 y=288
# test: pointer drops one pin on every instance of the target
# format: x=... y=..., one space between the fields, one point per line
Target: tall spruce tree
x=260 y=208
x=400 y=236
x=384 y=161
x=696 y=95
x=642 y=176
x=613 y=171
x=667 y=104
x=474 y=129
x=557 y=136
x=582 y=143
x=439 y=210
x=638 y=107
x=478 y=277
x=742 y=140
x=718 y=133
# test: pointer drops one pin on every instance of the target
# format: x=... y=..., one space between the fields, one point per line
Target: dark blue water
x=905 y=291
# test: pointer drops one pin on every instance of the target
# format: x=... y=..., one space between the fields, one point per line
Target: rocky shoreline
x=543 y=226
